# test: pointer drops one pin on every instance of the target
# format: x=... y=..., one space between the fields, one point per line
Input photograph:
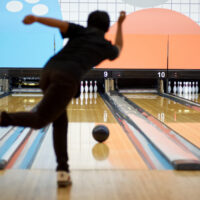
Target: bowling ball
x=100 y=133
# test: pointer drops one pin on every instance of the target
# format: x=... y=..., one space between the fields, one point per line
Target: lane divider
x=138 y=145
x=150 y=154
x=174 y=136
x=4 y=132
x=8 y=143
x=31 y=153
x=17 y=153
x=180 y=157
x=16 y=144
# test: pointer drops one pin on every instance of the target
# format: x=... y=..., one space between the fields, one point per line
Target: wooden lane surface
x=18 y=103
x=180 y=118
x=122 y=154
x=117 y=153
x=101 y=184
x=84 y=152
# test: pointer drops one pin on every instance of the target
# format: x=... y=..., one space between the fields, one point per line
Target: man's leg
x=48 y=110
x=60 y=126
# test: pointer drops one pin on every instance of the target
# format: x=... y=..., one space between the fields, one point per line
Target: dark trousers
x=58 y=88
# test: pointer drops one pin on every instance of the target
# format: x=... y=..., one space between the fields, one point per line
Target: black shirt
x=85 y=49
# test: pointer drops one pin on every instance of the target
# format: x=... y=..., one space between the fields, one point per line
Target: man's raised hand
x=29 y=19
x=121 y=17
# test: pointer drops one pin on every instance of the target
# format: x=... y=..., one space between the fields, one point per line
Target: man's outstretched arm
x=62 y=25
x=119 y=35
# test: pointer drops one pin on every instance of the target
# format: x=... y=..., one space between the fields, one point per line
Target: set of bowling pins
x=88 y=88
x=185 y=87
x=88 y=93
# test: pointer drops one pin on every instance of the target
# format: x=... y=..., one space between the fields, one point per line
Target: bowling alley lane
x=84 y=113
x=19 y=102
x=182 y=119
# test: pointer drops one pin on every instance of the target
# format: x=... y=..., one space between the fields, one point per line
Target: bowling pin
x=86 y=86
x=95 y=86
x=91 y=88
x=169 y=86
x=197 y=87
x=174 y=89
x=189 y=87
x=180 y=88
x=186 y=87
x=193 y=87
x=82 y=87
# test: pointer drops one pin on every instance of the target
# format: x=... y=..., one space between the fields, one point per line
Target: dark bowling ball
x=100 y=133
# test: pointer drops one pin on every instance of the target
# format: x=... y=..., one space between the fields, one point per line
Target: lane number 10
x=161 y=74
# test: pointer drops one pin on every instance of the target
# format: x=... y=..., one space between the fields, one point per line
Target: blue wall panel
x=24 y=46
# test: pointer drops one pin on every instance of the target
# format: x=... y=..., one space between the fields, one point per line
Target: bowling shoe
x=63 y=179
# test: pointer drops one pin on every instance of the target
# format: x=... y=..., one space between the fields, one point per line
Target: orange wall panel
x=145 y=41
x=140 y=52
x=184 y=52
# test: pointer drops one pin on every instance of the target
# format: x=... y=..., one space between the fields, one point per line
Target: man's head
x=99 y=19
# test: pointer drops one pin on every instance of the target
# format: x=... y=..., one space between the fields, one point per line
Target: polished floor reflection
x=84 y=153
x=182 y=119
